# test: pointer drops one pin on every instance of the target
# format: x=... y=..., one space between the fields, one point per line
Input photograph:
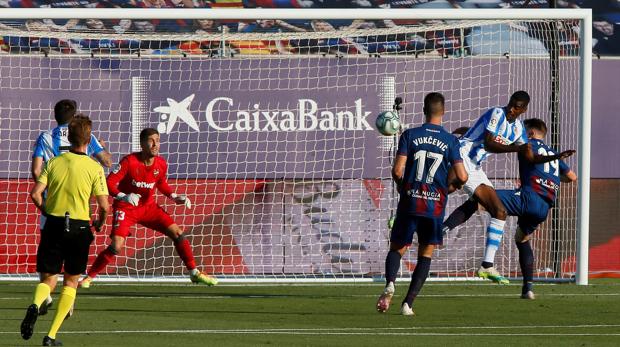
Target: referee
x=70 y=179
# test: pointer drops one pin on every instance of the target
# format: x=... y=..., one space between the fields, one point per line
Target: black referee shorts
x=59 y=247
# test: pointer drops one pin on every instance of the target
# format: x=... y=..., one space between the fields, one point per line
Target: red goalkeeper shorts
x=151 y=216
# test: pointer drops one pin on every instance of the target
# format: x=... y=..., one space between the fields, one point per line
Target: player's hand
x=567 y=154
x=181 y=200
x=98 y=224
x=131 y=198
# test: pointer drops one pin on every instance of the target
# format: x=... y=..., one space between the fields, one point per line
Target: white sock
x=194 y=272
x=495 y=232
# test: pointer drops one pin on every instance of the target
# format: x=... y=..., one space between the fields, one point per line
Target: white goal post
x=291 y=183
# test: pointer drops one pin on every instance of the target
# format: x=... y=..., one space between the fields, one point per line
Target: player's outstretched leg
x=101 y=262
x=487 y=196
x=198 y=277
x=184 y=249
x=460 y=215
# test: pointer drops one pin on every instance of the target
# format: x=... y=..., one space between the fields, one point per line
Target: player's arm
x=164 y=188
x=492 y=146
x=526 y=153
x=566 y=174
x=36 y=194
x=460 y=176
x=104 y=158
x=457 y=176
x=97 y=147
x=36 y=167
x=568 y=177
x=398 y=170
x=100 y=190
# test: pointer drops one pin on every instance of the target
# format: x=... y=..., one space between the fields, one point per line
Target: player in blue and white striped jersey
x=54 y=142
x=497 y=131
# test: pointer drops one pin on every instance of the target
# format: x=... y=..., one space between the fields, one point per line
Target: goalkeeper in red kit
x=133 y=184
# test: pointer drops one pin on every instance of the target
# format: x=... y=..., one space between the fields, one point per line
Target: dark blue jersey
x=430 y=152
x=543 y=179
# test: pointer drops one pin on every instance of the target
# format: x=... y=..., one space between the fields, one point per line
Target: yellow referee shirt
x=71 y=180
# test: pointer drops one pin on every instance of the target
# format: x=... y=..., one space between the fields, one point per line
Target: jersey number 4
x=420 y=157
x=550 y=165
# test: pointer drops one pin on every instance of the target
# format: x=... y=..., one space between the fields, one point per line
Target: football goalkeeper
x=133 y=184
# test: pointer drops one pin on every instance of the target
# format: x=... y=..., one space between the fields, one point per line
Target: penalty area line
x=366 y=332
x=370 y=331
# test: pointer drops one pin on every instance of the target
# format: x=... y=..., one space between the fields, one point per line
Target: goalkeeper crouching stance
x=133 y=184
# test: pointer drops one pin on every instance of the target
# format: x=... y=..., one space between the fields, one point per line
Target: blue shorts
x=428 y=229
x=528 y=206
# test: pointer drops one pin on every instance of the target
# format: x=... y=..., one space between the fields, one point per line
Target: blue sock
x=526 y=261
x=417 y=279
x=392 y=264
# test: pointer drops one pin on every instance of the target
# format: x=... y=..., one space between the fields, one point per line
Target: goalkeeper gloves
x=181 y=199
x=131 y=198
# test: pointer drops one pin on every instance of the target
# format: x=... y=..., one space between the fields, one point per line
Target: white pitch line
x=302 y=332
x=206 y=296
x=355 y=330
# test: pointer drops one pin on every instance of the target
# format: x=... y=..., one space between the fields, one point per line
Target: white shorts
x=475 y=173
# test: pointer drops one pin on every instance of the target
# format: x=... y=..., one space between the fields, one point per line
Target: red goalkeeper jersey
x=131 y=175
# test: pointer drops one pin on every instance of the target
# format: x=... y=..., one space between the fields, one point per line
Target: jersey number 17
x=420 y=157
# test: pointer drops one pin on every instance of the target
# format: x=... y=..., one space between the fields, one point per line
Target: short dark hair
x=433 y=103
x=146 y=132
x=79 y=130
x=520 y=95
x=536 y=123
x=64 y=110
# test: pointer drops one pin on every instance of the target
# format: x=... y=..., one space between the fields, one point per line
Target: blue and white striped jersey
x=494 y=121
x=54 y=142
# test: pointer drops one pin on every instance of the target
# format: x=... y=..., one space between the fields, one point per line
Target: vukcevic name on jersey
x=54 y=142
x=504 y=132
x=543 y=179
x=430 y=152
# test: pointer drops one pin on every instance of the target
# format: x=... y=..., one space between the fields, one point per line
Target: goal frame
x=585 y=83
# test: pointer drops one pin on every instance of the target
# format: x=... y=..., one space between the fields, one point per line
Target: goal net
x=271 y=134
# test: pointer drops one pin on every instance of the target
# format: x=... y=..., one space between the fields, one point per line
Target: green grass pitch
x=447 y=314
